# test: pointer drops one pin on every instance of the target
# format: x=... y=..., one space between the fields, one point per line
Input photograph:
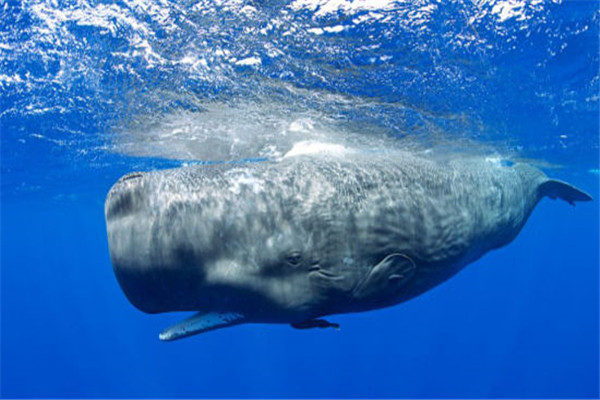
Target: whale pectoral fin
x=316 y=323
x=386 y=279
x=200 y=323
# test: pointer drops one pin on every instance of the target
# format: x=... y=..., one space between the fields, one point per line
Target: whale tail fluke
x=556 y=189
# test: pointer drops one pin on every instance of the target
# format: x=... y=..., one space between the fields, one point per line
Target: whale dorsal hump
x=556 y=189
x=200 y=323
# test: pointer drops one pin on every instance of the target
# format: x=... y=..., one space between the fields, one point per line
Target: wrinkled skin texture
x=309 y=235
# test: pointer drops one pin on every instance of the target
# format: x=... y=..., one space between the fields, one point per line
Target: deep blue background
x=521 y=322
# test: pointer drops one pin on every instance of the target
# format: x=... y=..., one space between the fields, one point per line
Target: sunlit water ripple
x=86 y=85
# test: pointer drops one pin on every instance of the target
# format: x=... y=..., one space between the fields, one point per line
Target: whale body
x=312 y=234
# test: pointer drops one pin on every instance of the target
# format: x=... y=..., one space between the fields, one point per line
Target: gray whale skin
x=310 y=235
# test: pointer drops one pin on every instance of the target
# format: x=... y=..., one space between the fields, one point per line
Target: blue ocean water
x=91 y=90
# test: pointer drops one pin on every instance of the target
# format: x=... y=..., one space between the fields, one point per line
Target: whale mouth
x=321 y=271
x=130 y=176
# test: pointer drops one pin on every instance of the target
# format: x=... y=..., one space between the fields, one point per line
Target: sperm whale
x=311 y=235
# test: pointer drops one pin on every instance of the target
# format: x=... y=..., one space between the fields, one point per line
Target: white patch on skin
x=245 y=177
x=311 y=147
x=493 y=160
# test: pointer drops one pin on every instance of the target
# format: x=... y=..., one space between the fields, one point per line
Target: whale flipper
x=316 y=323
x=386 y=278
x=556 y=189
x=200 y=323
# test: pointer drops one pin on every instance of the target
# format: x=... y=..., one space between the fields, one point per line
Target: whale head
x=224 y=240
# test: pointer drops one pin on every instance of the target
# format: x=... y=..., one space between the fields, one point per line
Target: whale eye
x=294 y=258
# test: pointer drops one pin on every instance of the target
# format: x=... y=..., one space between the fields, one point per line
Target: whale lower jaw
x=200 y=323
